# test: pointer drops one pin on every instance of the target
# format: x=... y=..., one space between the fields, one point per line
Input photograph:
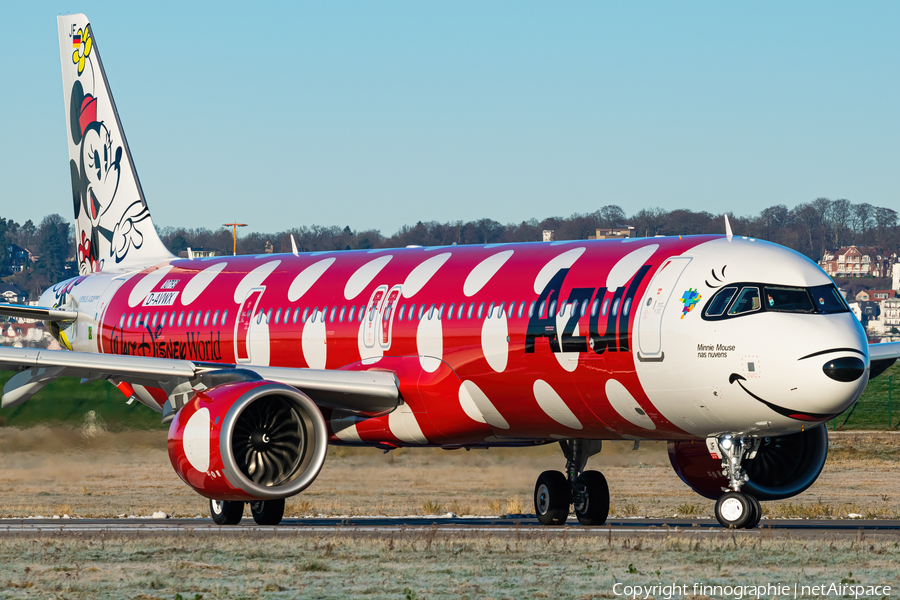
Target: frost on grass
x=419 y=564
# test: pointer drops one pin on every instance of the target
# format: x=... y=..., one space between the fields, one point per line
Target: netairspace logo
x=673 y=591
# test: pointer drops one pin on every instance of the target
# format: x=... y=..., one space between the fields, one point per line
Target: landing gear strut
x=735 y=509
x=586 y=490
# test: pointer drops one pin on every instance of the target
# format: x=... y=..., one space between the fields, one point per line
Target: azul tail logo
x=112 y=222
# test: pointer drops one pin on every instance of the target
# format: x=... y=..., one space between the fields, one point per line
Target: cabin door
x=657 y=298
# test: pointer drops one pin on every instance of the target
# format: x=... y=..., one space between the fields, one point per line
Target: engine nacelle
x=248 y=440
x=783 y=467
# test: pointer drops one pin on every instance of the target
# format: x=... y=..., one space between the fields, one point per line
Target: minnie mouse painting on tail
x=113 y=225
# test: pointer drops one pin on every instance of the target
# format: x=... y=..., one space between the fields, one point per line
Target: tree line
x=810 y=228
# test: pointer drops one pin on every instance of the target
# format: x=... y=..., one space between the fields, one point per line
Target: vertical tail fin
x=113 y=227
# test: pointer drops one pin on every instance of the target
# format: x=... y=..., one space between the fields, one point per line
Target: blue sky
x=379 y=114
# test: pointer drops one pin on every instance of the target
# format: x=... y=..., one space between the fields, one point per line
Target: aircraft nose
x=846 y=368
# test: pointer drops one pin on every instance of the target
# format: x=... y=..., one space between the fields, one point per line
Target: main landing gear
x=735 y=509
x=585 y=490
x=230 y=512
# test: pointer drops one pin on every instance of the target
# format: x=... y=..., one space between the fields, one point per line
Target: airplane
x=733 y=350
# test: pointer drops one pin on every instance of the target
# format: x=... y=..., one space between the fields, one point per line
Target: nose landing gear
x=735 y=509
x=586 y=490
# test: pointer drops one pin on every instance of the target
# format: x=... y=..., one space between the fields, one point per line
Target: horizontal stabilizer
x=39 y=313
x=882 y=356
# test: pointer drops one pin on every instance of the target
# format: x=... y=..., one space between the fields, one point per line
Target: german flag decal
x=76 y=40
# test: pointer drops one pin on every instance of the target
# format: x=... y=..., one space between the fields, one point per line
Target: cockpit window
x=747 y=301
x=720 y=301
x=745 y=298
x=828 y=300
x=786 y=299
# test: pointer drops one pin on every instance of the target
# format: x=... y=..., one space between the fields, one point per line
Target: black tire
x=753 y=521
x=733 y=510
x=267 y=512
x=552 y=498
x=594 y=509
x=226 y=512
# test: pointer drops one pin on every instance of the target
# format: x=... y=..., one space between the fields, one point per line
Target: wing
x=882 y=356
x=370 y=393
x=37 y=312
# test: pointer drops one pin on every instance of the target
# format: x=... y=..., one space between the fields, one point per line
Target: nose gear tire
x=552 y=497
x=593 y=509
x=734 y=510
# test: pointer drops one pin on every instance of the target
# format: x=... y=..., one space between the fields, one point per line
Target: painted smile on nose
x=786 y=412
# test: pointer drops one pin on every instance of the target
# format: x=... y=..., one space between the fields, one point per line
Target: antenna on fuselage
x=728 y=233
x=294 y=246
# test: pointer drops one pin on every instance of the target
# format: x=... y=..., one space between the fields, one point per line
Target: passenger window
x=331 y=314
x=450 y=311
x=521 y=309
x=172 y=319
x=341 y=314
x=162 y=319
x=421 y=311
x=216 y=318
x=180 y=319
x=626 y=307
x=296 y=315
x=461 y=310
x=129 y=320
x=531 y=309
x=189 y=317
x=197 y=318
x=615 y=309
x=305 y=314
x=155 y=318
x=501 y=309
x=480 y=310
x=359 y=315
x=469 y=312
x=720 y=301
x=224 y=317
x=490 y=312
x=605 y=306
x=371 y=313
x=387 y=314
x=594 y=307
x=583 y=308
x=551 y=311
x=441 y=312
x=349 y=315
x=574 y=307
x=206 y=319
x=259 y=317
x=277 y=316
x=122 y=321
x=541 y=309
x=747 y=301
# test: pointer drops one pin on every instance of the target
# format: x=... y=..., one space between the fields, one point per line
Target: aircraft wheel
x=552 y=497
x=594 y=507
x=753 y=521
x=267 y=512
x=734 y=510
x=226 y=512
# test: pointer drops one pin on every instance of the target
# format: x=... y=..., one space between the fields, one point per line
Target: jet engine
x=783 y=467
x=248 y=440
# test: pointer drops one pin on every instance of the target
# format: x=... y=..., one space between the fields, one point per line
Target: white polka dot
x=554 y=406
x=196 y=440
x=315 y=350
x=419 y=276
x=146 y=285
x=478 y=407
x=484 y=271
x=430 y=342
x=563 y=261
x=307 y=278
x=494 y=332
x=364 y=276
x=627 y=407
x=200 y=282
x=628 y=265
x=567 y=360
x=344 y=426
x=254 y=279
x=404 y=426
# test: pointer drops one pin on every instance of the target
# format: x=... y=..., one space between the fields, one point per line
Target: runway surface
x=452 y=525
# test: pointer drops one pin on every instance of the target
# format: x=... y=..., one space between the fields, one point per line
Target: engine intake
x=784 y=466
x=249 y=440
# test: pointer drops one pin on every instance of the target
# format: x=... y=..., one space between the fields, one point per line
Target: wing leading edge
x=370 y=393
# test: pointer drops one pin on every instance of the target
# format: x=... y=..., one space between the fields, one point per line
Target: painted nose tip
x=847 y=368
